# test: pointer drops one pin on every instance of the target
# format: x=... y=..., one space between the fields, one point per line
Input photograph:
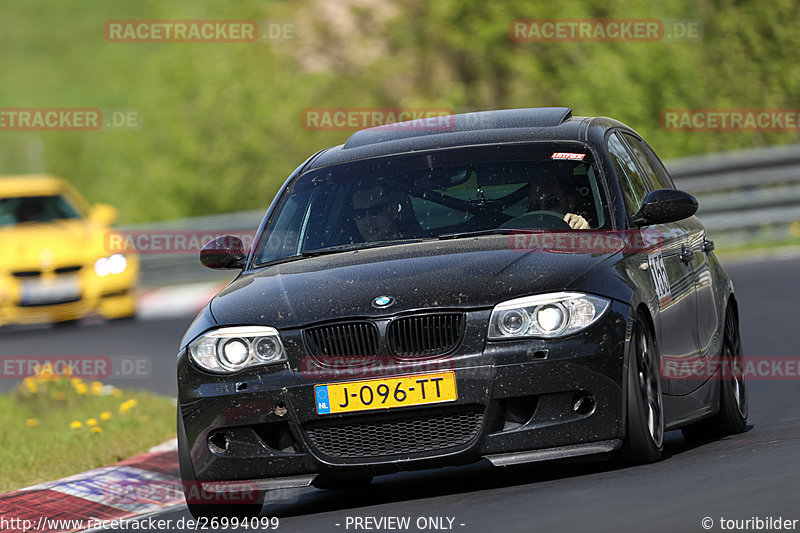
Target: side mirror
x=103 y=214
x=224 y=252
x=664 y=206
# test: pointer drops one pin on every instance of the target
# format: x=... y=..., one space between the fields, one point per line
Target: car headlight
x=545 y=315
x=234 y=348
x=113 y=264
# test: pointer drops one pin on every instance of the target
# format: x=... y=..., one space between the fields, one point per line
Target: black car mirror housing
x=663 y=206
x=224 y=253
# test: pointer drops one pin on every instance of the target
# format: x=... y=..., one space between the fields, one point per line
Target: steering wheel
x=538 y=220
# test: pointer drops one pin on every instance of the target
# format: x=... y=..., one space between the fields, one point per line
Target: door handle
x=687 y=256
x=708 y=246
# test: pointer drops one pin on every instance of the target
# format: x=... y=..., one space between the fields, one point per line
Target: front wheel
x=644 y=438
x=733 y=403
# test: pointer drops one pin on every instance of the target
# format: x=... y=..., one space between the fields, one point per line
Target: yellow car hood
x=51 y=245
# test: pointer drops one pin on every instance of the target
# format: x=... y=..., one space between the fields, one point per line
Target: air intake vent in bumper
x=395 y=435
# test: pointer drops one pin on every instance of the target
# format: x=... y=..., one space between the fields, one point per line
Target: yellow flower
x=76 y=424
x=97 y=429
x=116 y=393
x=32 y=422
x=91 y=422
x=105 y=415
x=81 y=388
x=96 y=388
x=58 y=395
x=75 y=381
x=30 y=384
x=127 y=405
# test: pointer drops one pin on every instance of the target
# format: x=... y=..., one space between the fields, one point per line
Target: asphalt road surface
x=755 y=474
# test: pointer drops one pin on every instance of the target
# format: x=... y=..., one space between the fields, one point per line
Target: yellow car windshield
x=19 y=210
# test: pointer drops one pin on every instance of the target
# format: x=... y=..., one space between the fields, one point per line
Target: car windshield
x=22 y=209
x=428 y=195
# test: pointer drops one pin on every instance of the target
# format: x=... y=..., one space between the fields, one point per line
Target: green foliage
x=221 y=123
x=57 y=426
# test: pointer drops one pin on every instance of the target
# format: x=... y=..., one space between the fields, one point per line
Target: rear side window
x=655 y=174
x=633 y=186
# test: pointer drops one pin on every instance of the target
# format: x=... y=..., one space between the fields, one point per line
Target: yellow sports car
x=54 y=265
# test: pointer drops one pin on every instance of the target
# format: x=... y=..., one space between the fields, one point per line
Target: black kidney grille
x=349 y=339
x=67 y=269
x=425 y=335
x=396 y=436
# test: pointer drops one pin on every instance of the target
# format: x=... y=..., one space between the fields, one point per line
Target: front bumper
x=111 y=296
x=518 y=401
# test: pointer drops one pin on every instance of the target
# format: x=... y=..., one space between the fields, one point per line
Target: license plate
x=50 y=290
x=419 y=389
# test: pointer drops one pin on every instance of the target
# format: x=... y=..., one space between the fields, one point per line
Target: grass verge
x=54 y=426
x=755 y=247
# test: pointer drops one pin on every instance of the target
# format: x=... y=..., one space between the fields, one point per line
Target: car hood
x=60 y=243
x=461 y=273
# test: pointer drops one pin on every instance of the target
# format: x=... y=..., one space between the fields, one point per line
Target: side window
x=633 y=186
x=655 y=174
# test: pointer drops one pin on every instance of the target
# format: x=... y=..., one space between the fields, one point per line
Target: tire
x=733 y=402
x=195 y=494
x=123 y=319
x=644 y=435
x=71 y=323
x=332 y=483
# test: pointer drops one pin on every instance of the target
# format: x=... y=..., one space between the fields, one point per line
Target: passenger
x=551 y=195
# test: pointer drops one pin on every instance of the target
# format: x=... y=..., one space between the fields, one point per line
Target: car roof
x=483 y=127
x=31 y=184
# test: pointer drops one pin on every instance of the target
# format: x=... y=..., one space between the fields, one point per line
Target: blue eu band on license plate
x=323 y=400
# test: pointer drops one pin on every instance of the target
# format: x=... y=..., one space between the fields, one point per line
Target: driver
x=377 y=213
x=550 y=195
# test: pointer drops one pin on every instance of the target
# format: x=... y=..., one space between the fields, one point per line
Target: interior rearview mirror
x=224 y=252
x=665 y=205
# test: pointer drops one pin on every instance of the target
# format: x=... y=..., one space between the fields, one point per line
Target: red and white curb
x=143 y=484
x=176 y=300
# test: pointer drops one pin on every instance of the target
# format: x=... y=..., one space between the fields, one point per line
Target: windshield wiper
x=337 y=250
x=359 y=246
x=496 y=231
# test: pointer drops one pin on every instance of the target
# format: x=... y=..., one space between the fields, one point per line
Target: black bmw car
x=511 y=286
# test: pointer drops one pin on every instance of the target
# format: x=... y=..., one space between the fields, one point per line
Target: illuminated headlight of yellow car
x=234 y=348
x=546 y=315
x=113 y=264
